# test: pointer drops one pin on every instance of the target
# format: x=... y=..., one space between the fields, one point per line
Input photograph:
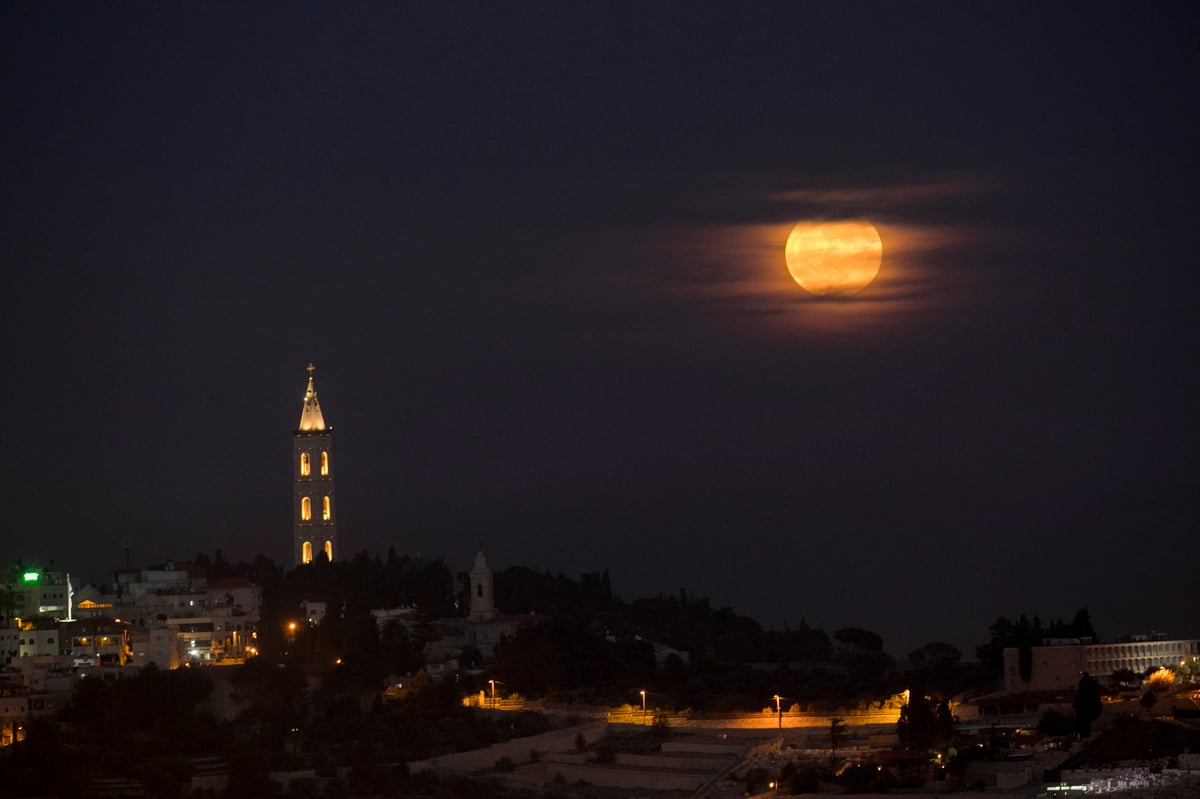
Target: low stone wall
x=702 y=748
x=665 y=760
x=284 y=778
x=516 y=750
x=758 y=721
x=616 y=776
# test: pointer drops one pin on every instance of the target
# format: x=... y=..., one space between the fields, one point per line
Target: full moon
x=834 y=258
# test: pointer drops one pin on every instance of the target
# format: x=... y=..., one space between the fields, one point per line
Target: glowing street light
x=779 y=709
x=643 y=693
x=290 y=637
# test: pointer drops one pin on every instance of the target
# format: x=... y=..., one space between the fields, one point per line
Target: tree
x=1088 y=706
x=837 y=734
x=1025 y=662
x=926 y=723
x=1161 y=680
x=1005 y=633
x=934 y=663
x=855 y=640
x=1058 y=722
x=1081 y=625
x=861 y=652
x=1125 y=677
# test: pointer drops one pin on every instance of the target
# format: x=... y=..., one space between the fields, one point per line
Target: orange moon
x=834 y=258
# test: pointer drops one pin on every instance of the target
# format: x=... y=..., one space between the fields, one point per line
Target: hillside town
x=395 y=676
x=532 y=683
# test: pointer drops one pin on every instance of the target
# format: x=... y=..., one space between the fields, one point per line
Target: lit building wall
x=203 y=639
x=9 y=643
x=155 y=645
x=38 y=592
x=14 y=712
x=34 y=643
x=1056 y=668
x=1139 y=656
x=244 y=598
x=99 y=642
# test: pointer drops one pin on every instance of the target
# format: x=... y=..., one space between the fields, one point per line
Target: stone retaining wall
x=619 y=777
x=516 y=750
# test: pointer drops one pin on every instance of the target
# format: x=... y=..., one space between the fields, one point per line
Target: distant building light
x=31 y=577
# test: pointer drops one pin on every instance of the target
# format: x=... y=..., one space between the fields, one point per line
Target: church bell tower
x=314 y=526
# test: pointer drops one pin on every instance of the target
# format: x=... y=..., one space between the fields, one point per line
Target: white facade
x=1055 y=668
x=37 y=592
x=201 y=639
x=155 y=645
x=9 y=644
x=241 y=596
x=315 y=612
x=14 y=711
x=186 y=619
x=405 y=615
x=44 y=673
x=1138 y=656
x=33 y=643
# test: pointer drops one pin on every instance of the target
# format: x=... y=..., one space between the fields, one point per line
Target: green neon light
x=31 y=577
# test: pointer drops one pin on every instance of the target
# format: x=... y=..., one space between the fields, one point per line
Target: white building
x=1139 y=654
x=1061 y=665
x=9 y=644
x=14 y=712
x=157 y=645
x=33 y=643
x=38 y=592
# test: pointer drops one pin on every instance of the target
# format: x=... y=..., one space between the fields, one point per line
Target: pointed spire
x=310 y=417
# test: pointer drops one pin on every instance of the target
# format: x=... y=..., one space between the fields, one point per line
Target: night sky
x=536 y=254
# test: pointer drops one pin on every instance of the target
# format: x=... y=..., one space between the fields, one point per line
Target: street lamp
x=779 y=709
x=290 y=638
x=643 y=693
x=494 y=683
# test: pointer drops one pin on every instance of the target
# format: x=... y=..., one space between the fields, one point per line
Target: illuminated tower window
x=324 y=463
x=305 y=509
x=304 y=466
x=306 y=557
x=326 y=513
x=329 y=550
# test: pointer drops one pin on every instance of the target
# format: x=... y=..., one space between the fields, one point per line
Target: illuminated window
x=306 y=552
x=305 y=509
x=304 y=465
x=329 y=550
x=324 y=463
x=326 y=511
